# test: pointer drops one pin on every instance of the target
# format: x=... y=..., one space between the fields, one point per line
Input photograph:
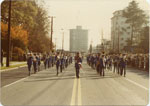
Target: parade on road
x=76 y=53
x=101 y=62
x=78 y=78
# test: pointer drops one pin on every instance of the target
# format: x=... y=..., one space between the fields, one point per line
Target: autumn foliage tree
x=29 y=26
x=19 y=37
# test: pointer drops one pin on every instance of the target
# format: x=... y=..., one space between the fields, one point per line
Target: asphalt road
x=8 y=77
x=45 y=88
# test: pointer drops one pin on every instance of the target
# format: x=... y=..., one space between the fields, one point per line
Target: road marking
x=76 y=93
x=73 y=98
x=136 y=84
x=79 y=93
x=14 y=82
x=21 y=79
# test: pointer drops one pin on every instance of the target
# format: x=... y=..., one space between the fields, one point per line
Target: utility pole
x=62 y=39
x=102 y=40
x=118 y=40
x=8 y=38
x=55 y=43
x=51 y=41
x=91 y=46
x=113 y=40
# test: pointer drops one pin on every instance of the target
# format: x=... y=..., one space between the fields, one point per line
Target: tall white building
x=78 y=40
x=120 y=31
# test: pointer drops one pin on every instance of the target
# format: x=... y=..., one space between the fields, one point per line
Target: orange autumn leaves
x=17 y=34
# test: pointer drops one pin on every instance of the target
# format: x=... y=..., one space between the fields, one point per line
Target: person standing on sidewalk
x=29 y=62
x=78 y=62
x=123 y=65
x=101 y=66
x=66 y=61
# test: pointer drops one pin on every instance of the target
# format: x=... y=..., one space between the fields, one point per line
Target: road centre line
x=79 y=93
x=73 y=98
x=76 y=93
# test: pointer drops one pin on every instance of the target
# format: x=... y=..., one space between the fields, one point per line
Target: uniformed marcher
x=61 y=63
x=29 y=63
x=39 y=61
x=123 y=65
x=78 y=62
x=45 y=60
x=57 y=58
x=115 y=63
x=35 y=63
x=97 y=63
x=101 y=67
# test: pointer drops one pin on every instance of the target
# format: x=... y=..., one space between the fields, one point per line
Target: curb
x=12 y=68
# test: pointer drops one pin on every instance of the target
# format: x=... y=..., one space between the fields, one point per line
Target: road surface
x=45 y=88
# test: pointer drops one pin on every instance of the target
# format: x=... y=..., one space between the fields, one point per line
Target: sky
x=94 y=15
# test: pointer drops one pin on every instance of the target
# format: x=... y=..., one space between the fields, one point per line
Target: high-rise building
x=121 y=32
x=78 y=40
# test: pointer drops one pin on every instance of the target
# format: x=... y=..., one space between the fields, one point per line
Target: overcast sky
x=94 y=15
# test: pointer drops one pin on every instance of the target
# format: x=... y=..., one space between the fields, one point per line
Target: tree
x=19 y=37
x=39 y=41
x=144 y=43
x=135 y=17
x=22 y=13
x=128 y=42
x=31 y=19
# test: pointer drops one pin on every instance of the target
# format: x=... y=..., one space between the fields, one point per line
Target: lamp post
x=8 y=38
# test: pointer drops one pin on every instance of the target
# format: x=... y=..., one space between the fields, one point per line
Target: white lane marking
x=14 y=82
x=18 y=80
x=73 y=98
x=79 y=93
x=136 y=84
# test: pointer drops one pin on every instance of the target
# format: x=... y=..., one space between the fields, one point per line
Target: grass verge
x=12 y=66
